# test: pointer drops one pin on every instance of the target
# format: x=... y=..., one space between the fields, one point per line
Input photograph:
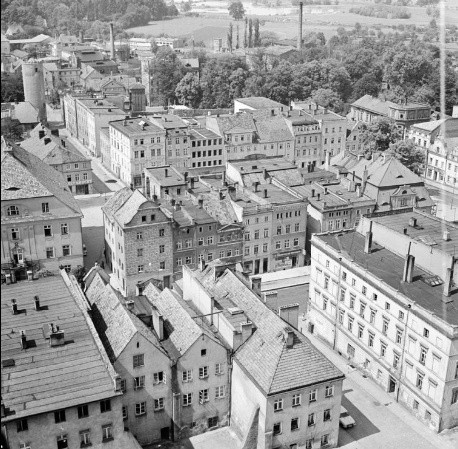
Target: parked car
x=345 y=420
x=84 y=250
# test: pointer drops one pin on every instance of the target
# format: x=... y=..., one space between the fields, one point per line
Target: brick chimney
x=56 y=336
x=270 y=298
x=290 y=314
x=14 y=308
x=246 y=330
x=289 y=337
x=256 y=284
x=36 y=301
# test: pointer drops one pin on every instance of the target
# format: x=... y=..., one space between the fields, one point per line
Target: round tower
x=34 y=86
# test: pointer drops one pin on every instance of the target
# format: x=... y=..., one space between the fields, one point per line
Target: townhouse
x=384 y=295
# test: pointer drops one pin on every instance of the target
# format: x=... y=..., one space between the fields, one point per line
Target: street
x=381 y=422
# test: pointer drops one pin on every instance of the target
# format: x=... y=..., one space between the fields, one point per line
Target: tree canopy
x=236 y=10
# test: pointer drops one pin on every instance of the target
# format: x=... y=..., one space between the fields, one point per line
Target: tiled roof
x=179 y=327
x=114 y=323
x=260 y=102
x=26 y=176
x=116 y=201
x=429 y=126
x=236 y=123
x=44 y=378
x=273 y=129
x=373 y=104
x=128 y=205
x=265 y=355
x=173 y=177
x=24 y=112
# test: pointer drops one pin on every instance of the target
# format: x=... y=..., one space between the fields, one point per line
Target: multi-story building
x=40 y=219
x=136 y=143
x=165 y=182
x=385 y=296
x=207 y=148
x=284 y=392
x=61 y=155
x=59 y=389
x=60 y=77
x=138 y=241
x=442 y=161
x=333 y=126
x=178 y=144
x=143 y=365
x=201 y=370
x=424 y=134
x=368 y=108
x=258 y=103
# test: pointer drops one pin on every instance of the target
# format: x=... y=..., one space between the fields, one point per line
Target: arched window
x=12 y=210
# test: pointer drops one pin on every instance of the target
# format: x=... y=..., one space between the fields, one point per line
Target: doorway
x=391 y=385
x=265 y=265
x=165 y=433
x=256 y=266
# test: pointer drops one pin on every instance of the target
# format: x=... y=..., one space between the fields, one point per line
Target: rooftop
x=23 y=111
x=134 y=126
x=388 y=266
x=167 y=175
x=265 y=356
x=42 y=378
x=260 y=102
x=203 y=133
x=26 y=176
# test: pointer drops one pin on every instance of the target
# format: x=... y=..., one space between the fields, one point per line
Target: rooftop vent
x=56 y=336
x=234 y=310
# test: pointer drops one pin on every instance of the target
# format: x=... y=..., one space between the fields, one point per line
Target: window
x=139 y=360
x=105 y=406
x=159 y=377
x=12 y=210
x=44 y=208
x=372 y=317
x=125 y=413
x=59 y=416
x=329 y=391
x=203 y=352
x=425 y=333
x=276 y=430
x=399 y=336
x=83 y=411
x=162 y=265
x=139 y=382
x=278 y=230
x=278 y=405
x=85 y=439
x=140 y=408
x=49 y=253
x=370 y=341
x=140 y=268
x=220 y=392
x=107 y=432
x=360 y=330
x=158 y=404
x=312 y=395
x=203 y=372
x=22 y=425
x=341 y=316
x=352 y=301
x=423 y=352
x=419 y=381
x=161 y=248
x=66 y=250
x=47 y=230
x=296 y=400
x=382 y=349
x=350 y=323
x=327 y=415
x=454 y=396
x=385 y=326
x=395 y=359
x=311 y=420
x=15 y=235
x=324 y=440
x=309 y=443
x=219 y=369
x=64 y=228
x=139 y=235
x=294 y=424
x=187 y=399
x=203 y=396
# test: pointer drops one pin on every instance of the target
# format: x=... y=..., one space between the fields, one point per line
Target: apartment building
x=143 y=365
x=60 y=154
x=278 y=397
x=333 y=126
x=424 y=134
x=138 y=241
x=135 y=143
x=385 y=296
x=59 y=389
x=207 y=149
x=201 y=365
x=41 y=221
x=165 y=182
x=177 y=139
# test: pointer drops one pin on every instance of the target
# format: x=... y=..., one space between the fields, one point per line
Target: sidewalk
x=373 y=390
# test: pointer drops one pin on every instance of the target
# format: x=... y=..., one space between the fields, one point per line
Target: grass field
x=214 y=21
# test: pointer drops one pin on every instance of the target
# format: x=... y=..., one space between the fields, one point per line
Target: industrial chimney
x=299 y=31
x=112 y=46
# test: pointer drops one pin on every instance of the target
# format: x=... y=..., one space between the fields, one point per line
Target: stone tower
x=34 y=86
x=146 y=63
x=137 y=97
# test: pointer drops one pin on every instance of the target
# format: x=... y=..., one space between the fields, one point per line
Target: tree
x=380 y=134
x=229 y=36
x=328 y=98
x=250 y=33
x=79 y=272
x=257 y=35
x=11 y=129
x=245 y=34
x=186 y=6
x=12 y=89
x=237 y=38
x=366 y=85
x=408 y=154
x=189 y=91
x=236 y=10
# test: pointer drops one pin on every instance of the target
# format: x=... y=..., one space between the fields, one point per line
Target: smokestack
x=299 y=30
x=112 y=46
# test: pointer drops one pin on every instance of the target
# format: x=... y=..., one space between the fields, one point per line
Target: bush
x=382 y=12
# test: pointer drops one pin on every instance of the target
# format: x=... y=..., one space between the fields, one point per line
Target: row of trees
x=251 y=35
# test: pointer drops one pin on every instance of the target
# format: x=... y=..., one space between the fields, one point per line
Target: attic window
x=404 y=192
x=13 y=189
x=399 y=176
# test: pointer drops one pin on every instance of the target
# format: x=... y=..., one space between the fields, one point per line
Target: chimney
x=212 y=308
x=289 y=337
x=264 y=173
x=166 y=172
x=290 y=314
x=412 y=222
x=221 y=196
x=256 y=284
x=351 y=186
x=265 y=193
x=192 y=183
x=185 y=176
x=47 y=140
x=299 y=30
x=270 y=298
x=36 y=300
x=55 y=132
x=255 y=185
x=202 y=265
x=23 y=340
x=177 y=206
x=247 y=330
x=318 y=196
x=14 y=306
x=446 y=235
x=448 y=285
x=364 y=180
x=313 y=193
x=172 y=202
x=201 y=203
x=325 y=190
x=223 y=179
x=56 y=337
x=358 y=191
x=62 y=141
x=154 y=198
x=112 y=46
x=41 y=134
x=368 y=241
x=130 y=305
x=158 y=322
x=408 y=266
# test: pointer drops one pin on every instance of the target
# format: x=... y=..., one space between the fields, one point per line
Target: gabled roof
x=24 y=112
x=239 y=123
x=373 y=104
x=265 y=356
x=26 y=176
x=273 y=129
x=179 y=327
x=261 y=102
x=114 y=323
x=42 y=378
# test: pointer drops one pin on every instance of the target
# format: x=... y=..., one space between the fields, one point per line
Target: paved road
x=381 y=422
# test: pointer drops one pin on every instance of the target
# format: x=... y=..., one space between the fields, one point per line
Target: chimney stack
x=265 y=193
x=202 y=265
x=289 y=337
x=23 y=340
x=270 y=298
x=246 y=330
x=448 y=285
x=14 y=306
x=112 y=45
x=290 y=314
x=446 y=235
x=56 y=337
x=412 y=222
x=158 y=323
x=327 y=160
x=166 y=171
x=299 y=30
x=255 y=185
x=201 y=203
x=368 y=241
x=130 y=305
x=313 y=193
x=256 y=284
x=408 y=266
x=36 y=299
x=41 y=134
